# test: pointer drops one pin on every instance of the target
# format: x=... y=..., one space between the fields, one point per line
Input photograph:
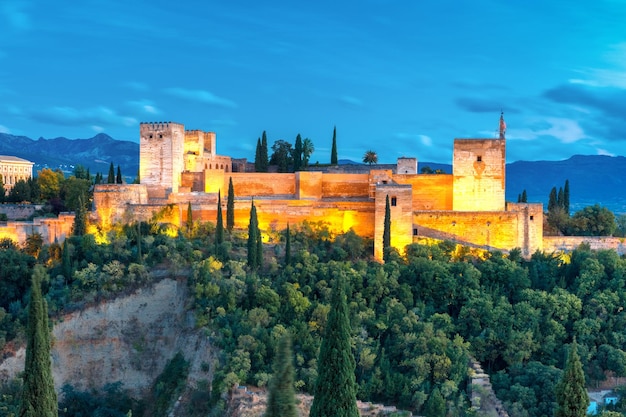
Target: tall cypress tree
x=230 y=207
x=66 y=263
x=253 y=232
x=552 y=201
x=335 y=388
x=265 y=160
x=118 y=177
x=111 y=177
x=219 y=228
x=524 y=196
x=297 y=154
x=257 y=156
x=571 y=395
x=387 y=230
x=560 y=198
x=38 y=396
x=566 y=197
x=287 y=246
x=189 y=218
x=281 y=401
x=80 y=217
x=333 y=151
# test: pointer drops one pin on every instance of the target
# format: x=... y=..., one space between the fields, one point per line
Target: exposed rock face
x=129 y=340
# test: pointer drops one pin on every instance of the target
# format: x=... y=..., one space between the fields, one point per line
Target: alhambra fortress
x=180 y=167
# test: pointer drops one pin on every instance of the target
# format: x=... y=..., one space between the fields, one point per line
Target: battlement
x=159 y=126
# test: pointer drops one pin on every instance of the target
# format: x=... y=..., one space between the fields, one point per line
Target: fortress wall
x=194 y=181
x=110 y=200
x=194 y=144
x=401 y=216
x=161 y=154
x=51 y=229
x=345 y=185
x=530 y=226
x=430 y=192
x=19 y=211
x=261 y=184
x=569 y=243
x=494 y=230
x=309 y=185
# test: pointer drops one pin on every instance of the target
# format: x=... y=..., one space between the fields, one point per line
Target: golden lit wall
x=479 y=174
x=430 y=191
x=261 y=184
x=110 y=201
x=345 y=185
x=401 y=211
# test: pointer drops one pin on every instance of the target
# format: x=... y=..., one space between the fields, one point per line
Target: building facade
x=13 y=169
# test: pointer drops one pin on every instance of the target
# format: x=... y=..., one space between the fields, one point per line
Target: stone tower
x=161 y=155
x=479 y=167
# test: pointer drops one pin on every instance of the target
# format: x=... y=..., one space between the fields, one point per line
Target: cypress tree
x=287 y=246
x=118 y=177
x=259 y=248
x=38 y=396
x=524 y=197
x=139 y=254
x=80 y=217
x=560 y=199
x=335 y=388
x=297 y=154
x=66 y=263
x=571 y=395
x=566 y=197
x=333 y=151
x=257 y=156
x=253 y=232
x=219 y=228
x=265 y=160
x=189 y=218
x=387 y=230
x=230 y=207
x=435 y=405
x=281 y=401
x=111 y=177
x=552 y=202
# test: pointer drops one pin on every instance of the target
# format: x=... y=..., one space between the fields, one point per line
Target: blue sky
x=403 y=78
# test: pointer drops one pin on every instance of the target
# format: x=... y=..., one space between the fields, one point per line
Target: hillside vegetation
x=416 y=320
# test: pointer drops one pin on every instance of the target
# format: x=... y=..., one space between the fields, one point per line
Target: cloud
x=145 y=106
x=137 y=86
x=351 y=101
x=563 y=129
x=4 y=129
x=480 y=105
x=608 y=100
x=98 y=129
x=413 y=138
x=69 y=116
x=15 y=15
x=201 y=96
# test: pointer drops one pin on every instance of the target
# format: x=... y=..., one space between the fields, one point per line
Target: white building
x=13 y=169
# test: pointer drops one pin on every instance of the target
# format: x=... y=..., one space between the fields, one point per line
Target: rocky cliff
x=129 y=339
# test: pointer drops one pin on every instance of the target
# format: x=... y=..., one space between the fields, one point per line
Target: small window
x=384 y=181
x=479 y=158
x=394 y=201
x=415 y=232
x=150 y=136
x=160 y=136
x=532 y=218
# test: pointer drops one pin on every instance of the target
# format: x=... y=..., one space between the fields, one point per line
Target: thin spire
x=502 y=125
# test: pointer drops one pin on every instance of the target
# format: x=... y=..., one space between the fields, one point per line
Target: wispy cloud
x=412 y=138
x=201 y=96
x=14 y=13
x=137 y=86
x=4 y=129
x=145 y=106
x=69 y=116
x=351 y=101
x=565 y=130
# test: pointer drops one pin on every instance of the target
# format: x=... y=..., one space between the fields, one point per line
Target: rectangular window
x=394 y=201
x=479 y=158
x=415 y=232
x=532 y=218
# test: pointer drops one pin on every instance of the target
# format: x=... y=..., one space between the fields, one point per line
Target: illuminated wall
x=401 y=210
x=161 y=154
x=430 y=191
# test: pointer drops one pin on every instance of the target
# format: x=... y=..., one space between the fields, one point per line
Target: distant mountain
x=96 y=153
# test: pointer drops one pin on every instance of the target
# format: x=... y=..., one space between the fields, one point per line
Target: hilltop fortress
x=179 y=167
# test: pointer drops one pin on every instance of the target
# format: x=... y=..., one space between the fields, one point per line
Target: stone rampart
x=51 y=229
x=261 y=184
x=569 y=243
x=345 y=186
x=19 y=211
x=430 y=192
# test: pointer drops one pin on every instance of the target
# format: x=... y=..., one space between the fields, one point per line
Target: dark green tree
x=264 y=153
x=3 y=191
x=20 y=192
x=435 y=405
x=258 y=165
x=281 y=401
x=80 y=218
x=571 y=394
x=297 y=154
x=335 y=387
x=387 y=230
x=219 y=226
x=38 y=396
x=370 y=157
x=230 y=206
x=566 y=197
x=307 y=149
x=552 y=200
x=111 y=177
x=189 y=222
x=560 y=199
x=287 y=246
x=333 y=150
x=118 y=177
x=66 y=262
x=281 y=155
x=523 y=197
x=253 y=237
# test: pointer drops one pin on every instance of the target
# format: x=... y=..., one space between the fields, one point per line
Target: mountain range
x=593 y=179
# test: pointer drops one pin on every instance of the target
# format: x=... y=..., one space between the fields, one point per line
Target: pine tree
x=118 y=177
x=297 y=154
x=281 y=401
x=38 y=396
x=111 y=177
x=333 y=151
x=287 y=246
x=335 y=388
x=566 y=197
x=219 y=228
x=571 y=395
x=80 y=217
x=265 y=160
x=387 y=230
x=230 y=207
x=435 y=405
x=253 y=232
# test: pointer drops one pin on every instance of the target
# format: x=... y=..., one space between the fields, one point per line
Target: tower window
x=160 y=136
x=479 y=158
x=415 y=231
x=150 y=136
x=394 y=201
x=532 y=218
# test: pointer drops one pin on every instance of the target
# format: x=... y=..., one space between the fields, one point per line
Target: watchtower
x=161 y=155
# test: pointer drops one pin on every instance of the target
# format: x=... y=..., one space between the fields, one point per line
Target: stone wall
x=19 y=211
x=161 y=154
x=345 y=186
x=430 y=191
x=262 y=184
x=401 y=216
x=569 y=243
x=51 y=229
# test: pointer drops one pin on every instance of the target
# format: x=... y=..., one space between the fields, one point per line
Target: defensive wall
x=19 y=211
x=569 y=243
x=51 y=229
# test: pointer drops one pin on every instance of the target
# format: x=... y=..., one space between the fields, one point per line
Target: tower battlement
x=158 y=126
